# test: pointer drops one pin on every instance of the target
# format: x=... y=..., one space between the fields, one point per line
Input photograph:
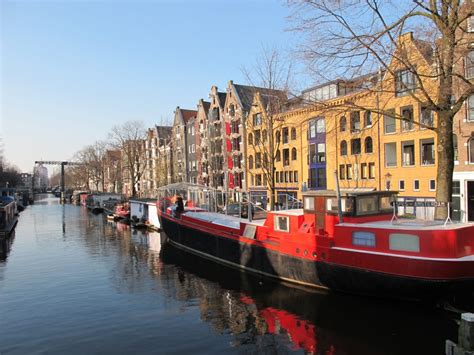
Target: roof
x=164 y=131
x=221 y=96
x=246 y=94
x=206 y=105
x=188 y=114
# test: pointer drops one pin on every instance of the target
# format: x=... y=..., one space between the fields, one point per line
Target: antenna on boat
x=448 y=219
x=338 y=194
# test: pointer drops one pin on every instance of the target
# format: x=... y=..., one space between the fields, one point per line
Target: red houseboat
x=369 y=251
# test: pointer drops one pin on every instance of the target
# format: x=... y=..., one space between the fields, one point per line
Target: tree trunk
x=445 y=157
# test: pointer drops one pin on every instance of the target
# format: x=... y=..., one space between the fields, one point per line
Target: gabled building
x=202 y=142
x=164 y=163
x=238 y=104
x=216 y=149
x=180 y=145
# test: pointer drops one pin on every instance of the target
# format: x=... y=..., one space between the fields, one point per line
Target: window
x=277 y=137
x=367 y=205
x=355 y=146
x=308 y=203
x=363 y=239
x=286 y=176
x=371 y=170
x=258 y=180
x=277 y=155
x=321 y=155
x=470 y=65
x=432 y=185
x=416 y=185
x=342 y=124
x=390 y=154
x=257 y=137
x=404 y=242
x=426 y=118
x=277 y=177
x=355 y=121
x=286 y=157
x=344 y=148
x=368 y=145
x=363 y=173
x=282 y=223
x=312 y=177
x=349 y=171
x=389 y=122
x=257 y=119
x=231 y=110
x=286 y=137
x=293 y=154
x=312 y=129
x=427 y=152
x=455 y=147
x=264 y=135
x=401 y=185
x=293 y=133
x=470 y=108
x=290 y=176
x=296 y=176
x=367 y=119
x=321 y=177
x=408 y=153
x=404 y=82
x=320 y=126
x=456 y=187
x=342 y=172
x=312 y=154
x=251 y=162
x=407 y=117
x=250 y=138
x=258 y=160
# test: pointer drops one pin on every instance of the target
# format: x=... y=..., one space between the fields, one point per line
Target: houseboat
x=8 y=215
x=354 y=243
x=144 y=214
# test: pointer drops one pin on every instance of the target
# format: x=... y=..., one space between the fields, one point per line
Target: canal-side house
x=202 y=146
x=113 y=171
x=164 y=159
x=192 y=143
x=149 y=175
x=217 y=168
x=132 y=171
x=463 y=132
x=179 y=144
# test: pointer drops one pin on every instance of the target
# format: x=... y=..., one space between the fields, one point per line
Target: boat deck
x=409 y=224
x=222 y=219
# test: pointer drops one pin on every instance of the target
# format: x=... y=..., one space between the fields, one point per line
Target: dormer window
x=404 y=82
x=232 y=110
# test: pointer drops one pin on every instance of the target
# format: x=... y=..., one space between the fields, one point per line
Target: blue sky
x=70 y=70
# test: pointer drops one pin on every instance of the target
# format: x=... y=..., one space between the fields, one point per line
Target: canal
x=72 y=282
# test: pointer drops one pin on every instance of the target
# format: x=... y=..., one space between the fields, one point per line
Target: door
x=470 y=201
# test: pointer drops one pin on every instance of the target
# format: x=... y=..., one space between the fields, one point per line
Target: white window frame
x=277 y=224
x=429 y=185
x=414 y=188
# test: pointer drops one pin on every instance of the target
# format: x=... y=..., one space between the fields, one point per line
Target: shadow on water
x=6 y=246
x=253 y=308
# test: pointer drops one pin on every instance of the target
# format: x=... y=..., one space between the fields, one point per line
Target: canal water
x=72 y=282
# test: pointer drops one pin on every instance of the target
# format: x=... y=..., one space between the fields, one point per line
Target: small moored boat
x=8 y=215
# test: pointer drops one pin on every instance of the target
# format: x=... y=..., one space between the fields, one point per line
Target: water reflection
x=265 y=316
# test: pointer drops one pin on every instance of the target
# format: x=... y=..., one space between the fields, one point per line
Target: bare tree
x=272 y=74
x=350 y=37
x=129 y=139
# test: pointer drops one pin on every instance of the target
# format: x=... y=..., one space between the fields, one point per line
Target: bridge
x=62 y=164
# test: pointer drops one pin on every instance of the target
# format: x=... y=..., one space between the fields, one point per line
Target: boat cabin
x=356 y=207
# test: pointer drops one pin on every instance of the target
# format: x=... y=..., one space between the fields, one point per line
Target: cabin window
x=346 y=204
x=282 y=223
x=364 y=239
x=309 y=203
x=404 y=242
x=385 y=203
x=366 y=205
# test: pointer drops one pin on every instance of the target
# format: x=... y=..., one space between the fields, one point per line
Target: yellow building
x=373 y=131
